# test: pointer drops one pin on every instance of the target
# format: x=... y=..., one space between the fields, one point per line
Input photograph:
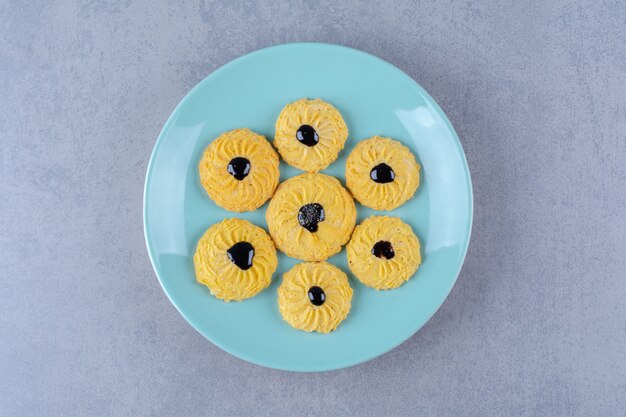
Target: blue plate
x=375 y=98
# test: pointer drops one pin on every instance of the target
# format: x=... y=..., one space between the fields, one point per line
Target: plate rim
x=225 y=67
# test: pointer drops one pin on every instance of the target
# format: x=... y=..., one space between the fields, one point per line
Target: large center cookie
x=235 y=259
x=311 y=216
x=314 y=296
x=310 y=134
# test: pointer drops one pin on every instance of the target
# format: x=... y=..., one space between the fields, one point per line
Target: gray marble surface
x=536 y=324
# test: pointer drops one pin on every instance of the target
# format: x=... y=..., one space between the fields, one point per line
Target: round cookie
x=235 y=259
x=310 y=134
x=311 y=216
x=314 y=296
x=239 y=170
x=383 y=252
x=382 y=173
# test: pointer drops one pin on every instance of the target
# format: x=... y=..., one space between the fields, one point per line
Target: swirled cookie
x=310 y=134
x=235 y=259
x=239 y=170
x=382 y=173
x=383 y=252
x=311 y=216
x=314 y=296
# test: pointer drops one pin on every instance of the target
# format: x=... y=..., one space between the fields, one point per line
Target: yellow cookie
x=311 y=216
x=235 y=259
x=382 y=173
x=314 y=296
x=239 y=170
x=383 y=252
x=310 y=134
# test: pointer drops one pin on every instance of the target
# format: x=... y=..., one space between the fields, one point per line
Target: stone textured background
x=536 y=324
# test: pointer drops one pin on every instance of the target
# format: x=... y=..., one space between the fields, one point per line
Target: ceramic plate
x=375 y=98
